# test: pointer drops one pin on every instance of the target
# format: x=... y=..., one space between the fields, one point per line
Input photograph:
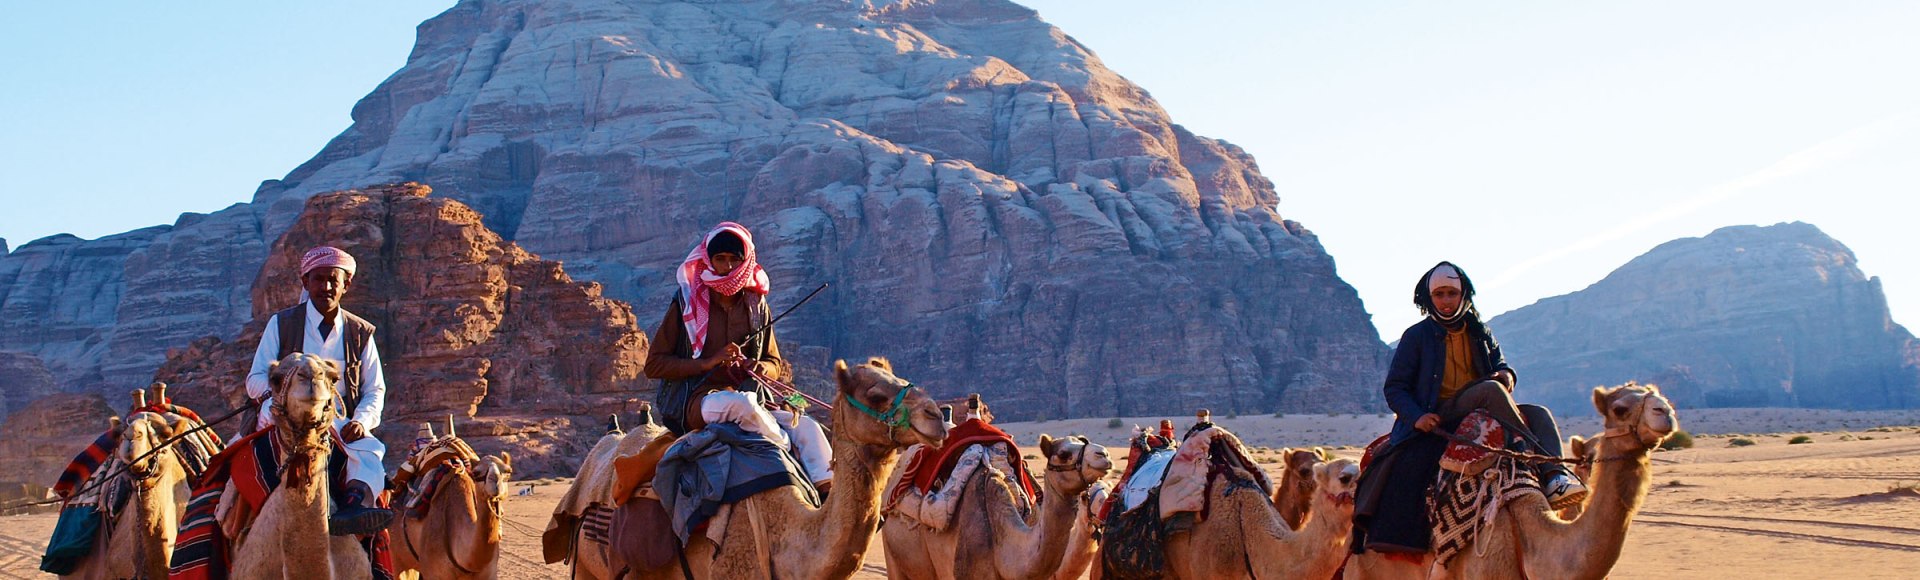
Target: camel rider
x=1444 y=368
x=320 y=327
x=707 y=342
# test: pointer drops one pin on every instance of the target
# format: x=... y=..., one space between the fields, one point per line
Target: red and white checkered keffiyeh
x=697 y=279
x=327 y=257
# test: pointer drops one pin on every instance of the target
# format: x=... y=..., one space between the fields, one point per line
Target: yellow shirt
x=1460 y=365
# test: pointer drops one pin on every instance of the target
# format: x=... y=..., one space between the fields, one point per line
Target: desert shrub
x=1279 y=415
x=1740 y=442
x=1114 y=423
x=1680 y=439
x=1799 y=439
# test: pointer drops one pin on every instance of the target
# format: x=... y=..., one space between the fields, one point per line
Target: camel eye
x=1619 y=410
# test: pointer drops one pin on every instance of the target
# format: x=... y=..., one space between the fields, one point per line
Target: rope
x=98 y=480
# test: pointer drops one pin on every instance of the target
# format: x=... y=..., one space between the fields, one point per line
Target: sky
x=1539 y=145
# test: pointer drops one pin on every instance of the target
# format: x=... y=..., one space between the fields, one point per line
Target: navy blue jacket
x=1413 y=380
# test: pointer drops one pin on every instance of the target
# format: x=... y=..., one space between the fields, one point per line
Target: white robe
x=364 y=455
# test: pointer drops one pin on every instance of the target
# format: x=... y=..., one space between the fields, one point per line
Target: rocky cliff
x=1745 y=316
x=470 y=325
x=997 y=210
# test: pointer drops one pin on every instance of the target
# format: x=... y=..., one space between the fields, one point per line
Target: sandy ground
x=1769 y=510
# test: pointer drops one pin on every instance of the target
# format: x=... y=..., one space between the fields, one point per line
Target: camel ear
x=276 y=374
x=880 y=363
x=1323 y=453
x=1600 y=400
x=506 y=459
x=1577 y=445
x=1048 y=444
x=842 y=376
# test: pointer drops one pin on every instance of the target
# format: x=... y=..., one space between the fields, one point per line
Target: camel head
x=1580 y=448
x=1337 y=480
x=1635 y=410
x=1300 y=464
x=305 y=391
x=896 y=413
x=1074 y=463
x=140 y=434
x=494 y=473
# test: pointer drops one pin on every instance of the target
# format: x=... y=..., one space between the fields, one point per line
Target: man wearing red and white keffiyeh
x=707 y=345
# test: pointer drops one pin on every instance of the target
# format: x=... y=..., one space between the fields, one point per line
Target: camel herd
x=1300 y=530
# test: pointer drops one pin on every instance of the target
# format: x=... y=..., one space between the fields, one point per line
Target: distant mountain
x=1745 y=316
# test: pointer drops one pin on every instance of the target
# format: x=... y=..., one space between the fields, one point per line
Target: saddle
x=930 y=486
x=935 y=508
x=423 y=471
x=1166 y=492
x=1472 y=484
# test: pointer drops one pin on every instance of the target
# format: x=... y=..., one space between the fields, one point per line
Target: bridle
x=895 y=417
x=1079 y=462
x=296 y=444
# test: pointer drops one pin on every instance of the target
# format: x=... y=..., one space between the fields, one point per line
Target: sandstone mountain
x=996 y=210
x=1745 y=316
x=466 y=320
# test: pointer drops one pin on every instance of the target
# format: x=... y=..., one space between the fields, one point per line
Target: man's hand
x=1427 y=422
x=1505 y=377
x=354 y=431
x=729 y=355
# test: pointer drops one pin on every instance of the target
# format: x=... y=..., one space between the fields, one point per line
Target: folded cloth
x=932 y=465
x=718 y=465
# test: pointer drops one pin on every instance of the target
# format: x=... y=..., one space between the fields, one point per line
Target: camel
x=775 y=534
x=140 y=542
x=1294 y=494
x=989 y=537
x=1244 y=536
x=1083 y=550
x=1527 y=540
x=460 y=535
x=289 y=536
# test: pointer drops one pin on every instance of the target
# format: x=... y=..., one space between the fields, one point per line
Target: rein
x=1536 y=458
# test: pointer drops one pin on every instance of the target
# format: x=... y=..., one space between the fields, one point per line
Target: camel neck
x=1045 y=544
x=1590 y=545
x=846 y=523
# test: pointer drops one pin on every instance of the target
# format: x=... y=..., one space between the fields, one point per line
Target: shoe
x=353 y=520
x=1564 y=490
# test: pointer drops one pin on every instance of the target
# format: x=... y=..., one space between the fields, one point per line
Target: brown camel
x=1083 y=550
x=460 y=535
x=1529 y=541
x=775 y=534
x=288 y=539
x=989 y=536
x=1243 y=536
x=1294 y=495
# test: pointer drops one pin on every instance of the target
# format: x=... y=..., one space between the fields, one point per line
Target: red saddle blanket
x=252 y=466
x=932 y=465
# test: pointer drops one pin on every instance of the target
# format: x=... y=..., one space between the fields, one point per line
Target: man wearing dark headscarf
x=1444 y=368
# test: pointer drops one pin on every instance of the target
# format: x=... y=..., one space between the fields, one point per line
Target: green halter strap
x=896 y=415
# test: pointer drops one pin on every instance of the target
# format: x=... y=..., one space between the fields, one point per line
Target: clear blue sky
x=1540 y=145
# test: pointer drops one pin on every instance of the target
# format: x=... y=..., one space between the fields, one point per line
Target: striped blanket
x=252 y=466
x=86 y=463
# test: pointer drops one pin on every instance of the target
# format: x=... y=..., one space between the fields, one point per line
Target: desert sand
x=1846 y=504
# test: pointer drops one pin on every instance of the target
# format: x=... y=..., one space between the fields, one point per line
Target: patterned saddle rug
x=1472 y=485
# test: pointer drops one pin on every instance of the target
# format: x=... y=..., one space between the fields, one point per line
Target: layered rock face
x=997 y=211
x=23 y=380
x=1745 y=316
x=38 y=441
x=466 y=320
